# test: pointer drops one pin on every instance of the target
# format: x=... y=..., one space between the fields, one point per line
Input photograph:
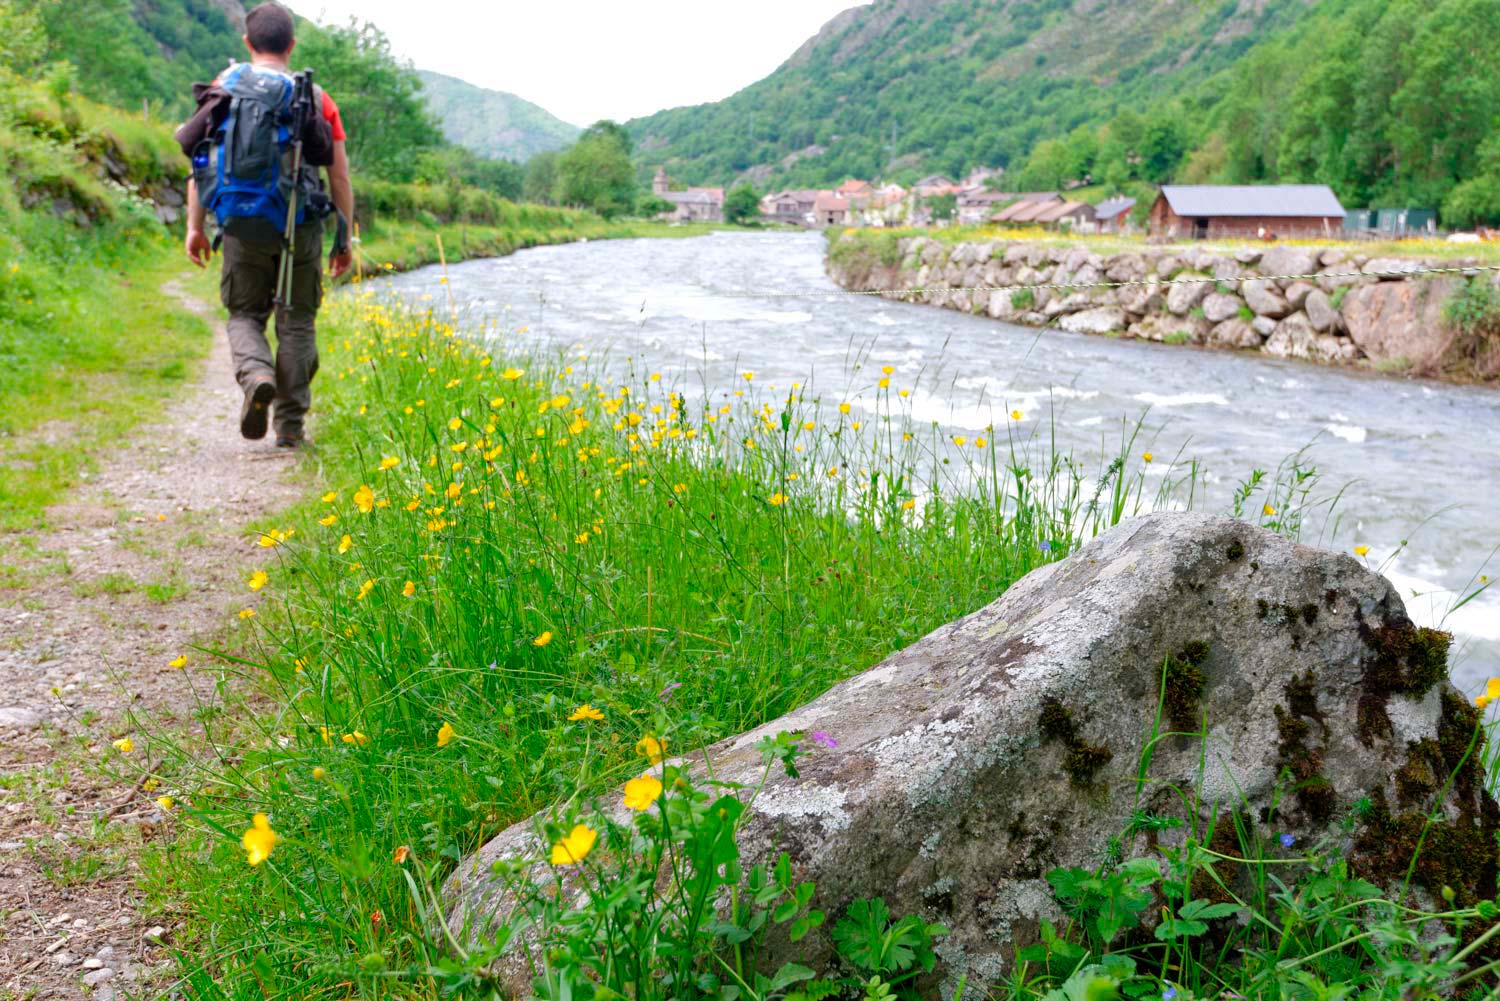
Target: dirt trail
x=147 y=557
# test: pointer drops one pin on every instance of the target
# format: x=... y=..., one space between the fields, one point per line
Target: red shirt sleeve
x=332 y=117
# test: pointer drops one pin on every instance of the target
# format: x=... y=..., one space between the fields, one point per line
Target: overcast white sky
x=584 y=60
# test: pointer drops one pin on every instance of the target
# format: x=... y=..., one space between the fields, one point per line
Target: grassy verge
x=89 y=343
x=500 y=541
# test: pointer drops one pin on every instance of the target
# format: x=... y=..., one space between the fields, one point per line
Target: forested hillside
x=1390 y=101
x=125 y=52
x=493 y=123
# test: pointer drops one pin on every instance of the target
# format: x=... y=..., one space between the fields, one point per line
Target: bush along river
x=1412 y=464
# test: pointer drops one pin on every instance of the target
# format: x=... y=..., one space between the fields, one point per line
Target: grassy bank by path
x=498 y=540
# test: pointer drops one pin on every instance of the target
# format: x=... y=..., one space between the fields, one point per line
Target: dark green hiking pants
x=248 y=290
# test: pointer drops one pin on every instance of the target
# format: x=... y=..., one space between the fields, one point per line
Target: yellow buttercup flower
x=364 y=499
x=166 y=803
x=575 y=847
x=1491 y=693
x=330 y=497
x=908 y=504
x=319 y=773
x=776 y=499
x=345 y=544
x=446 y=733
x=843 y=408
x=1361 y=550
x=1016 y=415
x=585 y=712
x=960 y=440
x=179 y=662
x=364 y=590
x=257 y=580
x=642 y=792
x=512 y=374
x=1147 y=456
x=247 y=613
x=124 y=745
x=389 y=462
x=651 y=748
x=328 y=521
x=409 y=589
x=455 y=424
x=1269 y=511
x=356 y=738
x=542 y=640
x=259 y=840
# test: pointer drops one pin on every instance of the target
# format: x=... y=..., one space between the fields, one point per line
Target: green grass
x=566 y=536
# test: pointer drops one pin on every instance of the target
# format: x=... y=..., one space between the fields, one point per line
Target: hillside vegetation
x=492 y=123
x=1390 y=101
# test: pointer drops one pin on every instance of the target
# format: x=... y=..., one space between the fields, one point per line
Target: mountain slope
x=943 y=85
x=493 y=123
x=129 y=51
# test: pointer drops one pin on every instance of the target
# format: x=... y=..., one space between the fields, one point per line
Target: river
x=1421 y=460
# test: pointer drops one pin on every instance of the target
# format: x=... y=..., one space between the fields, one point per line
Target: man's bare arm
x=342 y=190
x=199 y=250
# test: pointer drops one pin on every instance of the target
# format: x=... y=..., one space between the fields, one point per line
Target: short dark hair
x=269 y=28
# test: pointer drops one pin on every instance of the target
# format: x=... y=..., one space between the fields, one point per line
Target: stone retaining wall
x=1351 y=311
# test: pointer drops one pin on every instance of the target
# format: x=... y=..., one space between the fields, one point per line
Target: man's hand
x=340 y=263
x=199 y=250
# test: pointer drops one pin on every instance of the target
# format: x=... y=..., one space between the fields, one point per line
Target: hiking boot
x=255 y=413
x=289 y=441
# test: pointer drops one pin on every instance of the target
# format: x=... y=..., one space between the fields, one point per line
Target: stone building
x=692 y=205
x=1246 y=211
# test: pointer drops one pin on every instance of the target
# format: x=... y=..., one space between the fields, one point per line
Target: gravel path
x=145 y=559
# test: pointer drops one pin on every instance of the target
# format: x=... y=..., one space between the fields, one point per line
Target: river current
x=1420 y=461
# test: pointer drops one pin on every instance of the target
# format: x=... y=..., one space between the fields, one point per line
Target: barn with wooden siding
x=1249 y=211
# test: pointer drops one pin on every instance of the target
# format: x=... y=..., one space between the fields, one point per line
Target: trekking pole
x=301 y=104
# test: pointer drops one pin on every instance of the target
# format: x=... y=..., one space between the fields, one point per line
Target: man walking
x=242 y=131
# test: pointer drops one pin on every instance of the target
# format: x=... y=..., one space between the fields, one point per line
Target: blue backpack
x=243 y=167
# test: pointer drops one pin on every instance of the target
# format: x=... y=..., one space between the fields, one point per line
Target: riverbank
x=1327 y=305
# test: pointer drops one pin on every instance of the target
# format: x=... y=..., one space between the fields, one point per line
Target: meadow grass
x=501 y=537
x=500 y=541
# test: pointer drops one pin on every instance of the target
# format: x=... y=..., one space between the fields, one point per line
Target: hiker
x=242 y=141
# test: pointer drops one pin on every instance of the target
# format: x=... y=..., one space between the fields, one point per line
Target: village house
x=692 y=205
x=830 y=209
x=978 y=203
x=1113 y=214
x=794 y=207
x=934 y=185
x=1208 y=211
x=855 y=189
x=1064 y=215
x=1026 y=206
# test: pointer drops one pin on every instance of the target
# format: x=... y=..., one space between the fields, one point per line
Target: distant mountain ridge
x=493 y=123
x=947 y=85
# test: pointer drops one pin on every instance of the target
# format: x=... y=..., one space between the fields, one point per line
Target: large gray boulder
x=1008 y=743
x=1264 y=298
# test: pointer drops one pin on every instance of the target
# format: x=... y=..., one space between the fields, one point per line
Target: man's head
x=269 y=30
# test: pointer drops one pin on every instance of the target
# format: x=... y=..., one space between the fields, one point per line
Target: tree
x=379 y=98
x=943 y=207
x=540 y=183
x=741 y=205
x=596 y=172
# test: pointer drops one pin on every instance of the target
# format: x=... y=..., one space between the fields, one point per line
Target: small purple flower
x=494 y=665
x=1287 y=841
x=1169 y=994
x=1046 y=546
x=666 y=693
x=820 y=737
